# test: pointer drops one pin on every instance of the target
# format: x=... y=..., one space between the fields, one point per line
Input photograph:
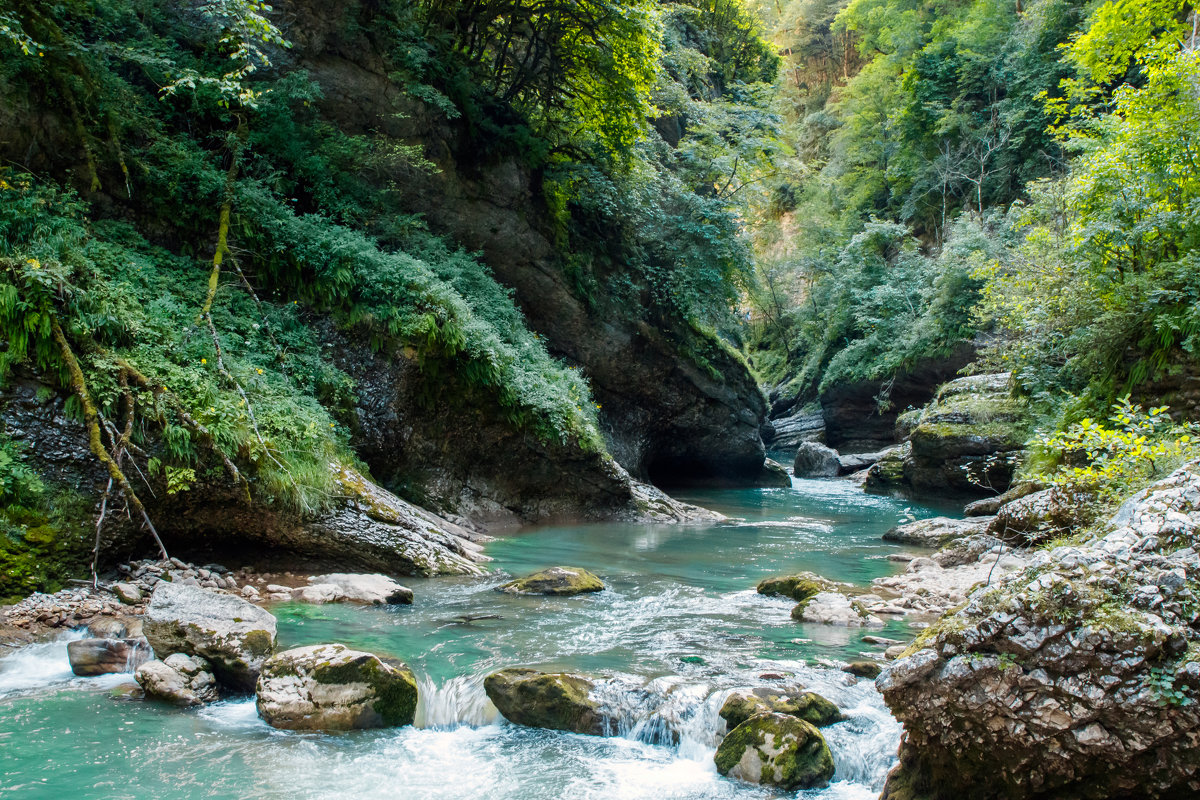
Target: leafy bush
x=1115 y=459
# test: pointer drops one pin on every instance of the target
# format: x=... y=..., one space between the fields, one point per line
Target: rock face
x=103 y=656
x=776 y=750
x=179 y=679
x=804 y=425
x=815 y=460
x=558 y=581
x=808 y=706
x=853 y=419
x=677 y=403
x=558 y=701
x=1074 y=678
x=968 y=440
x=331 y=687
x=235 y=636
x=344 y=587
x=798 y=587
x=834 y=608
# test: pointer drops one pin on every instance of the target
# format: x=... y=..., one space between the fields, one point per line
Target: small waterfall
x=139 y=654
x=666 y=711
x=37 y=665
x=864 y=746
x=458 y=702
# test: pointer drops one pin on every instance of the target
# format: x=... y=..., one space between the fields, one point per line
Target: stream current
x=679 y=627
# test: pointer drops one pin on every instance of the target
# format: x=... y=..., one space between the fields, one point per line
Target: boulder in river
x=554 y=700
x=864 y=669
x=774 y=475
x=799 y=587
x=90 y=657
x=179 y=679
x=776 y=750
x=936 y=531
x=815 y=460
x=559 y=581
x=1041 y=516
x=235 y=636
x=835 y=608
x=344 y=587
x=796 y=702
x=329 y=687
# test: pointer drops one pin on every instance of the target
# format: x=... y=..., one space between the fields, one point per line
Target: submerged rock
x=864 y=669
x=795 y=702
x=799 y=587
x=834 y=608
x=331 y=687
x=815 y=460
x=235 y=636
x=1073 y=678
x=558 y=581
x=554 y=700
x=90 y=657
x=776 y=750
x=179 y=679
x=344 y=587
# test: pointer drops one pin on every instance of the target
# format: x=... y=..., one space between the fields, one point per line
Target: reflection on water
x=679 y=628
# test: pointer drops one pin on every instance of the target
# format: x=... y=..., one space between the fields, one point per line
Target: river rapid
x=679 y=627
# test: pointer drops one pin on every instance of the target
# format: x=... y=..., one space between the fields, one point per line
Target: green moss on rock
x=776 y=750
x=799 y=587
x=557 y=581
x=808 y=706
x=558 y=701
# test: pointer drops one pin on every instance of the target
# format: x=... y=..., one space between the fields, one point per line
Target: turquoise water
x=678 y=628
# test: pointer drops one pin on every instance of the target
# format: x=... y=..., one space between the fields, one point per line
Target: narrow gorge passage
x=679 y=626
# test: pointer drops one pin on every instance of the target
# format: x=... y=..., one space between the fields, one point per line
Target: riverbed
x=678 y=628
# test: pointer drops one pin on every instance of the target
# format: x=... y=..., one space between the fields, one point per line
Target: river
x=679 y=626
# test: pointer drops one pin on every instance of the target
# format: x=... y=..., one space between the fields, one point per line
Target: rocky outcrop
x=835 y=608
x=776 y=750
x=342 y=587
x=1074 y=678
x=804 y=425
x=234 y=636
x=856 y=420
x=329 y=687
x=796 y=702
x=815 y=460
x=988 y=506
x=968 y=440
x=557 y=581
x=90 y=657
x=180 y=679
x=558 y=701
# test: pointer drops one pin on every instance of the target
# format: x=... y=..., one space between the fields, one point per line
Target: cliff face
x=1077 y=677
x=676 y=407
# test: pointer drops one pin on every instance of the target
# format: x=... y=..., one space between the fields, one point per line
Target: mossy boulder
x=555 y=700
x=796 y=702
x=183 y=680
x=557 y=581
x=234 y=636
x=329 y=687
x=776 y=750
x=798 y=587
x=774 y=475
x=864 y=669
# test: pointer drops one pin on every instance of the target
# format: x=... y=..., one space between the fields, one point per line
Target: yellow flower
x=204 y=361
x=260 y=372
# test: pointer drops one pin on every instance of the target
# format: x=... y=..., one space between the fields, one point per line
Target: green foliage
x=1112 y=461
x=19 y=485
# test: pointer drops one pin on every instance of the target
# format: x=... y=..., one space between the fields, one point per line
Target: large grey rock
x=560 y=581
x=776 y=750
x=1041 y=516
x=179 y=679
x=805 y=425
x=235 y=636
x=104 y=656
x=1071 y=678
x=834 y=608
x=558 y=701
x=344 y=587
x=815 y=460
x=331 y=687
x=936 y=531
x=774 y=475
